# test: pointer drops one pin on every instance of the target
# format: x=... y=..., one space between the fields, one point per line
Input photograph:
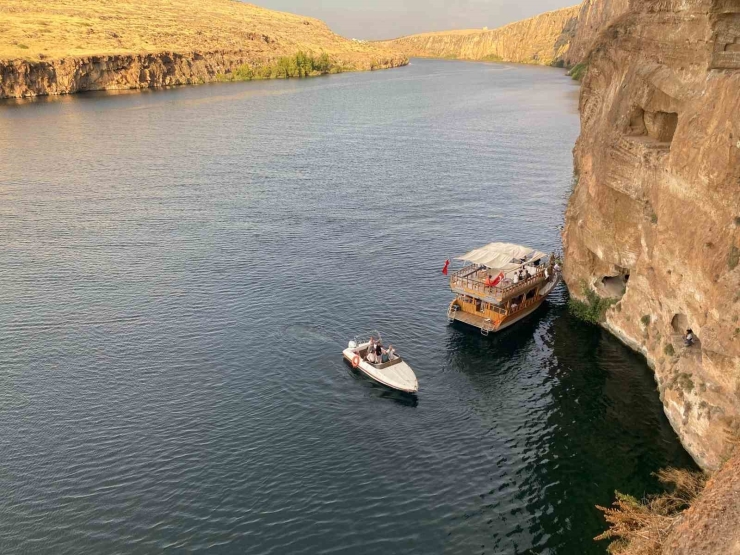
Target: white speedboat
x=390 y=370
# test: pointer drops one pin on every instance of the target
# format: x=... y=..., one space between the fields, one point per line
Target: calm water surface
x=179 y=271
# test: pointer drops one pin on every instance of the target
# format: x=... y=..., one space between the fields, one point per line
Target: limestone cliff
x=23 y=78
x=64 y=47
x=593 y=17
x=543 y=39
x=654 y=220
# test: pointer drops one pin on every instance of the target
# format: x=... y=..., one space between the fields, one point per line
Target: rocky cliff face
x=24 y=78
x=654 y=220
x=593 y=17
x=540 y=40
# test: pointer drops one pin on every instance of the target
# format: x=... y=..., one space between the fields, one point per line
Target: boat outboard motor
x=352 y=345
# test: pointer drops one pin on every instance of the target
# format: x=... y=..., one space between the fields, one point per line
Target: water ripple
x=182 y=268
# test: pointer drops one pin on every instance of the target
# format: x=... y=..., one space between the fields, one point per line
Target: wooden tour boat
x=389 y=370
x=500 y=284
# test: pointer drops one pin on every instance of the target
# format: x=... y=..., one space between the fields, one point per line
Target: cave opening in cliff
x=679 y=323
x=615 y=286
x=659 y=126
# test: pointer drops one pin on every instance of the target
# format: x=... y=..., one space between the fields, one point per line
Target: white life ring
x=355 y=361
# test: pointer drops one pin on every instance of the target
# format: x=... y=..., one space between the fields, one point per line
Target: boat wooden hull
x=492 y=322
x=480 y=322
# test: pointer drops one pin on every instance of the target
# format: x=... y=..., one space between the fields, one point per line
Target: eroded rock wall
x=24 y=78
x=654 y=220
x=593 y=17
x=543 y=39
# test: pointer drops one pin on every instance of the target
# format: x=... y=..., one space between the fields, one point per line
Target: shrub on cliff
x=593 y=309
x=300 y=65
x=578 y=71
x=734 y=258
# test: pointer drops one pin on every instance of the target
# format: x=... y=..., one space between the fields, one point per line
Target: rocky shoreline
x=25 y=78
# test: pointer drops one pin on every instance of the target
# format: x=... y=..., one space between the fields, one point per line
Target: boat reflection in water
x=563 y=404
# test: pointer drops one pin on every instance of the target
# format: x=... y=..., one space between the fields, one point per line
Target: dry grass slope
x=642 y=527
x=53 y=29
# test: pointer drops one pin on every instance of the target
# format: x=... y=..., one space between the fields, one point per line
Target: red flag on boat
x=498 y=279
x=444 y=270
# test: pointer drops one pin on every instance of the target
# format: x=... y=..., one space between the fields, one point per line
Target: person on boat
x=371 y=350
x=515 y=280
x=494 y=281
x=556 y=268
x=689 y=338
x=522 y=277
x=391 y=352
x=378 y=351
x=386 y=356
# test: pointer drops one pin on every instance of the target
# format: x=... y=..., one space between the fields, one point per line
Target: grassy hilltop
x=53 y=29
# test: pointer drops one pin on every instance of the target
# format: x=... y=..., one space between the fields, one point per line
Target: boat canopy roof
x=503 y=256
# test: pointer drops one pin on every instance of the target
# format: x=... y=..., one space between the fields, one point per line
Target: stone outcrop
x=593 y=17
x=654 y=220
x=24 y=78
x=543 y=39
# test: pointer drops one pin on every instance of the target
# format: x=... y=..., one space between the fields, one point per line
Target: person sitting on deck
x=522 y=277
x=493 y=282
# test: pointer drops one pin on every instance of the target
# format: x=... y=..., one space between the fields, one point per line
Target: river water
x=180 y=270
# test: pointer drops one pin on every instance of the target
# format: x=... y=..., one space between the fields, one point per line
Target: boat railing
x=527 y=303
x=466 y=278
x=497 y=309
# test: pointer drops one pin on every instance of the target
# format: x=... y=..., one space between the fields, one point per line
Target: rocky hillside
x=539 y=40
x=66 y=46
x=653 y=225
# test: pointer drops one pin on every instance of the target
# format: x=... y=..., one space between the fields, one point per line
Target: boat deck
x=471 y=281
x=497 y=321
x=466 y=318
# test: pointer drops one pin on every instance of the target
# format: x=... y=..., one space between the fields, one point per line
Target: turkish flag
x=498 y=279
x=444 y=270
